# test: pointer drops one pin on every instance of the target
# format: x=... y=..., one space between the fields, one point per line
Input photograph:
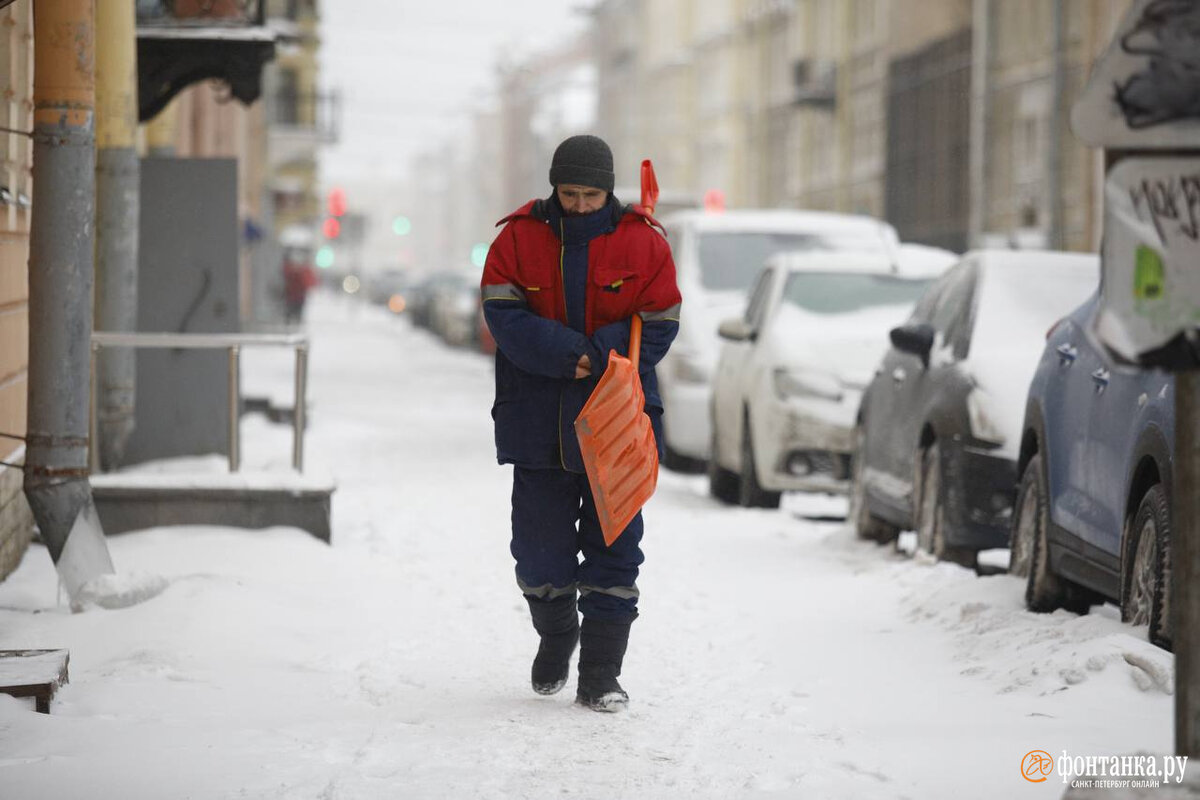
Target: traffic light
x=331 y=228
x=401 y=226
x=479 y=254
x=325 y=257
x=336 y=202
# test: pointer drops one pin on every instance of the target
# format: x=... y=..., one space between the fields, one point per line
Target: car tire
x=1027 y=516
x=1146 y=596
x=1046 y=591
x=722 y=484
x=866 y=526
x=677 y=462
x=931 y=512
x=750 y=493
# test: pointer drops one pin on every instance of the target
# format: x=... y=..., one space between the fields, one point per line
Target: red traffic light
x=337 y=202
x=331 y=228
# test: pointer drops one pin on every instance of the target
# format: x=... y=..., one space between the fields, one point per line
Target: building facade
x=16 y=161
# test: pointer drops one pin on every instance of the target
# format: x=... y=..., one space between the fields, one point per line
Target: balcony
x=181 y=42
x=313 y=114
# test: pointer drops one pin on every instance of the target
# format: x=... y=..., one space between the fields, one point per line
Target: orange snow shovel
x=615 y=438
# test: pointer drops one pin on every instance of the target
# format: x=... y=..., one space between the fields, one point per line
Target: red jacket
x=629 y=271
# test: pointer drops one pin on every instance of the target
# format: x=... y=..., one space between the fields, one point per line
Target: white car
x=717 y=255
x=793 y=368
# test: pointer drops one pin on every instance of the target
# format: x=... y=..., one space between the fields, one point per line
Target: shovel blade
x=618 y=447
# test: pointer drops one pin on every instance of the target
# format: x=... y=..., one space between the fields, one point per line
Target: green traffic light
x=325 y=257
x=479 y=254
x=401 y=226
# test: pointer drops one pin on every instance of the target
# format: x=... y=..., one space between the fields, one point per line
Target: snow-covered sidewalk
x=775 y=655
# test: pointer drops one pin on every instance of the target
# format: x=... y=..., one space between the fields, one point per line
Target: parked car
x=793 y=367
x=454 y=309
x=387 y=287
x=1093 y=512
x=717 y=256
x=940 y=423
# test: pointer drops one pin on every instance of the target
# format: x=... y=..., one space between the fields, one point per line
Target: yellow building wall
x=16 y=158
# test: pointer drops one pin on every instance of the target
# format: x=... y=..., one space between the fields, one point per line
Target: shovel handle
x=635 y=339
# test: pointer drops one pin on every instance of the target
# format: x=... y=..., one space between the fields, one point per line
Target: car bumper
x=979 y=504
x=807 y=443
x=686 y=418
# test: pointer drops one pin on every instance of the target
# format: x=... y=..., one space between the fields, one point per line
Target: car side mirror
x=735 y=330
x=916 y=339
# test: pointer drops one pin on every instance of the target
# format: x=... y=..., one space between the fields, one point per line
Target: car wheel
x=1147 y=589
x=1046 y=591
x=722 y=484
x=750 y=493
x=1026 y=518
x=865 y=525
x=931 y=512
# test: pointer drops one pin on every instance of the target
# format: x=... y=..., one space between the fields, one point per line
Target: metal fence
x=233 y=343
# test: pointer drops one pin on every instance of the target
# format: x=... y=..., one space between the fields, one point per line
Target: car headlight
x=806 y=383
x=984 y=425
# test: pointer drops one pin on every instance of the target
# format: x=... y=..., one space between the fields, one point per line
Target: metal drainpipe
x=60 y=292
x=117 y=199
x=1054 y=182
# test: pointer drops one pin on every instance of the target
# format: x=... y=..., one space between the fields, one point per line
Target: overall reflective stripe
x=623 y=592
x=502 y=291
x=671 y=313
x=545 y=591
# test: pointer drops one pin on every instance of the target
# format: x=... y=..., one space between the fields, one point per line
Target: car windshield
x=731 y=260
x=841 y=293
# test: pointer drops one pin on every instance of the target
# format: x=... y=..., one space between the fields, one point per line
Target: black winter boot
x=557 y=622
x=601 y=651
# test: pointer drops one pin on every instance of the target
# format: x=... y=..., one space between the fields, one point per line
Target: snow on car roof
x=774 y=220
x=905 y=266
x=832 y=261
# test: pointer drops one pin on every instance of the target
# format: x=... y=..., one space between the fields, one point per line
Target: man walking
x=560 y=285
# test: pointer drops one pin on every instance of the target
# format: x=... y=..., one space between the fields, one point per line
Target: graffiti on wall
x=1168 y=88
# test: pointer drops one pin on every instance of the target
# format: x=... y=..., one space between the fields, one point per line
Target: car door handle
x=899 y=375
x=1067 y=354
x=1100 y=378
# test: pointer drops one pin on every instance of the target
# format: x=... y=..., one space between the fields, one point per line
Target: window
x=844 y=292
x=952 y=317
x=729 y=261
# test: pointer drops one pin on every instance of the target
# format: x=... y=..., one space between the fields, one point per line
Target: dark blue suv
x=1093 y=514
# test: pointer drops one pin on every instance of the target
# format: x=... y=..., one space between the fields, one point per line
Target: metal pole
x=93 y=446
x=117 y=200
x=977 y=155
x=1185 y=564
x=60 y=292
x=235 y=398
x=1054 y=202
x=298 y=408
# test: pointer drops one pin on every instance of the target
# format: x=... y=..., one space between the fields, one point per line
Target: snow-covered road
x=775 y=655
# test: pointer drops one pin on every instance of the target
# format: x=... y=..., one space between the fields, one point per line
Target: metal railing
x=233 y=343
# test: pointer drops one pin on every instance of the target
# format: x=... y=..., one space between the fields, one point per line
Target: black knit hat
x=583 y=160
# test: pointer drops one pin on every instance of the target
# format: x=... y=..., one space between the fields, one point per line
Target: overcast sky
x=410 y=72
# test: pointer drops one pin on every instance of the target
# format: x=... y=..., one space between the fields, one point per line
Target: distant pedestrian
x=298 y=278
x=561 y=283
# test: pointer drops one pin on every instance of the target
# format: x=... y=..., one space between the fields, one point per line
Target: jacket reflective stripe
x=623 y=592
x=546 y=591
x=502 y=291
x=671 y=313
